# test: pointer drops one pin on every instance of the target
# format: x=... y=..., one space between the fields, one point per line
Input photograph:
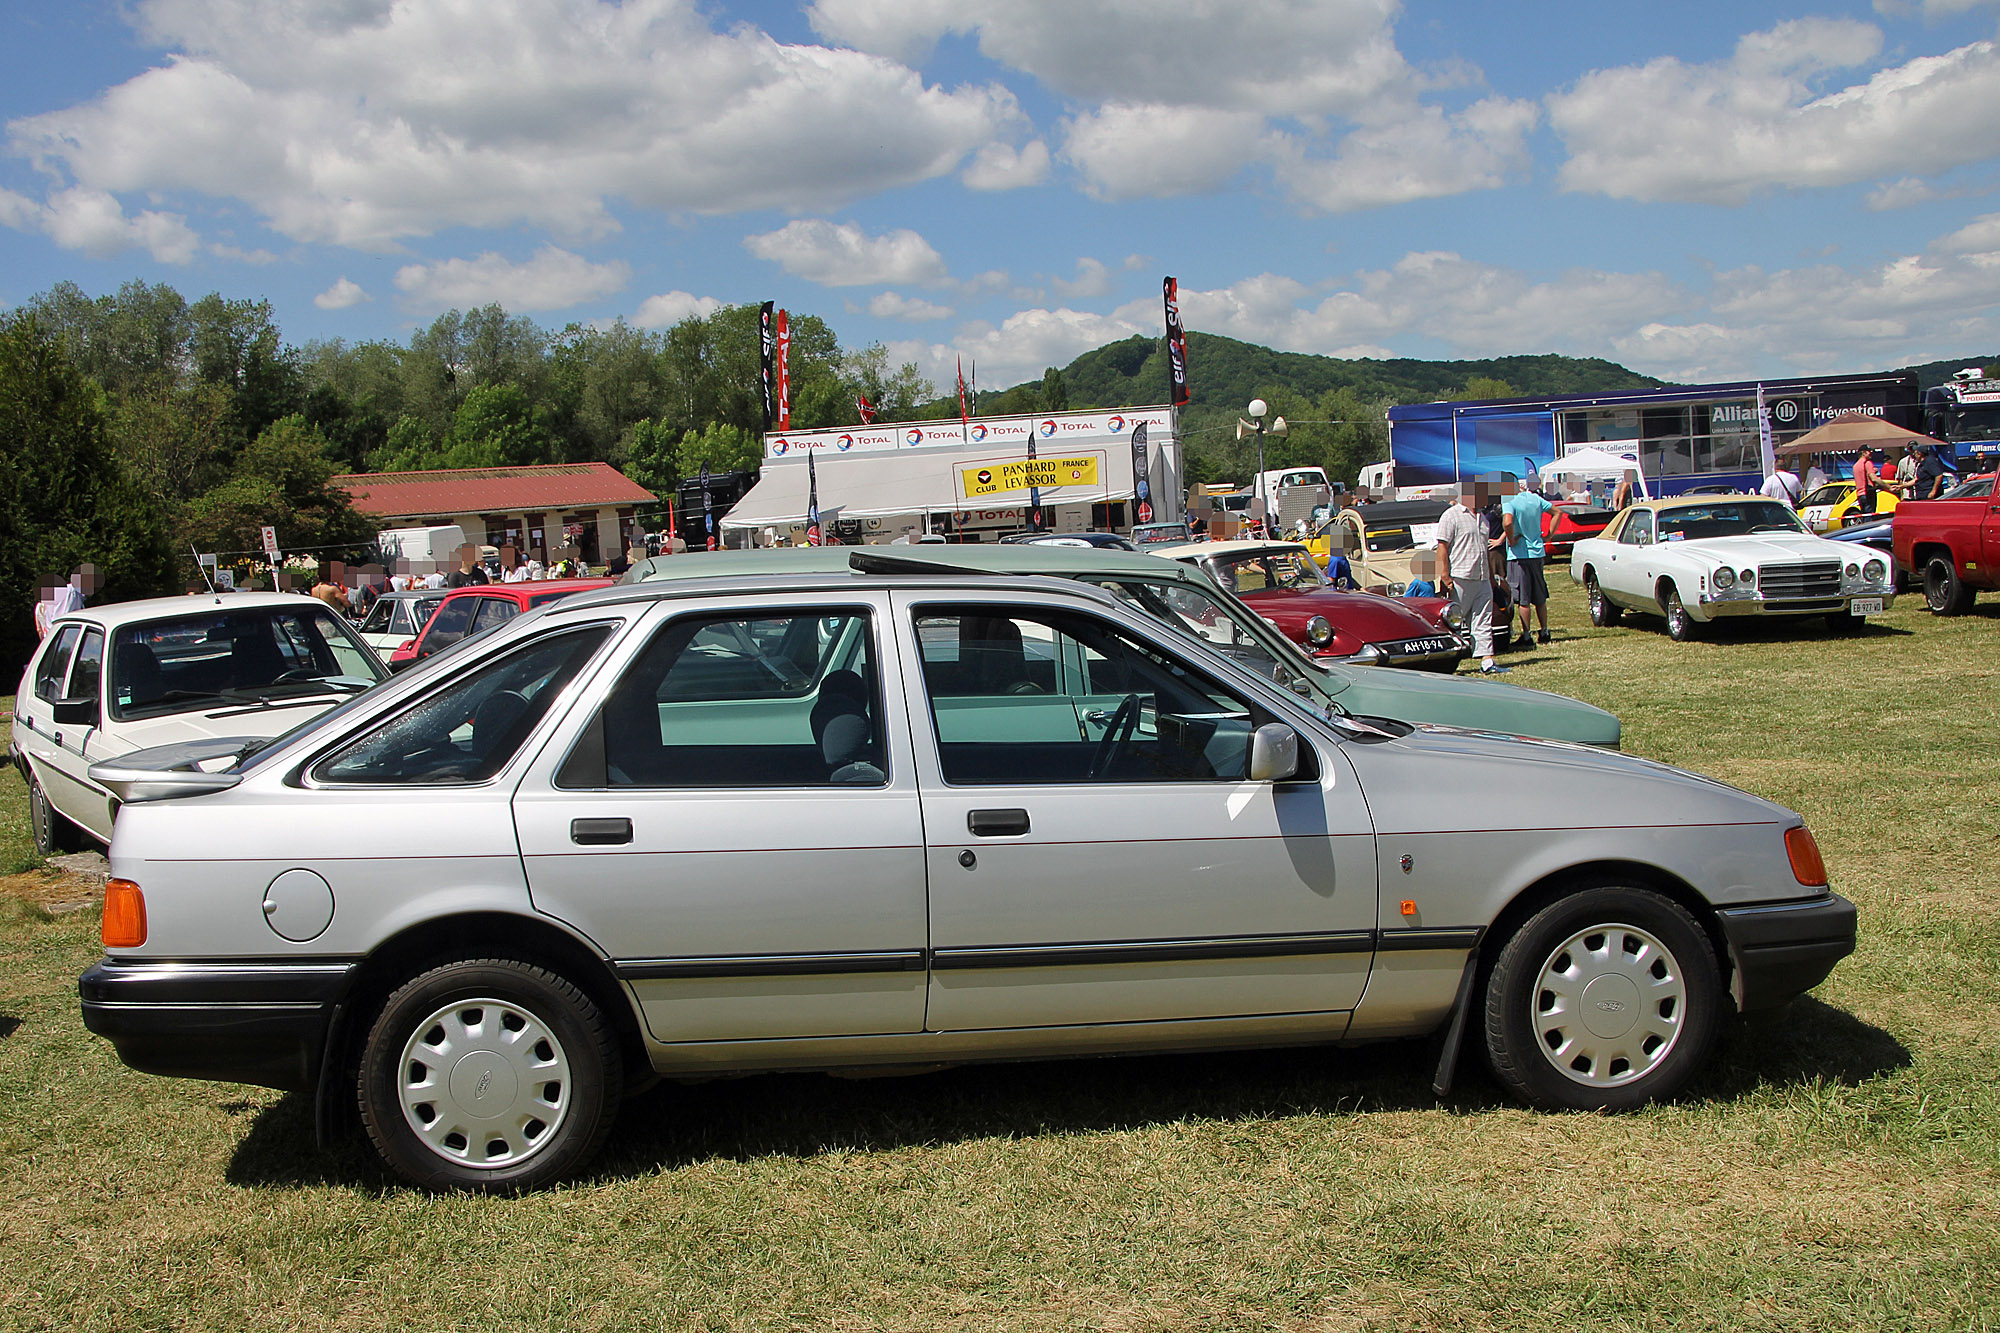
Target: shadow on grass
x=9 y=1025
x=1774 y=629
x=801 y=1115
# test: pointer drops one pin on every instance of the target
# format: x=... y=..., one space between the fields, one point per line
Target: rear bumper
x=1780 y=950
x=246 y=1021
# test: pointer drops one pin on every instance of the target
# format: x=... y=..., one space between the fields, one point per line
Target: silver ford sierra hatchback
x=888 y=815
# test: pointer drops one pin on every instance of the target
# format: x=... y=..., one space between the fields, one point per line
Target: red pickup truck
x=1950 y=546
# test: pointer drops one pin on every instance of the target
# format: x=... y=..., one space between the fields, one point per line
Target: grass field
x=1837 y=1168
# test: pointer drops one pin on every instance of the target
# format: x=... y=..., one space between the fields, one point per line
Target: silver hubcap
x=1609 y=1005
x=484 y=1083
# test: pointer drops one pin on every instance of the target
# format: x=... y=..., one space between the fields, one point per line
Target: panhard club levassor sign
x=1052 y=433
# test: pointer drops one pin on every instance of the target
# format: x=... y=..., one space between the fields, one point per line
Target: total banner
x=766 y=347
x=1177 y=369
x=998 y=477
x=1066 y=430
x=1142 y=489
x=783 y=419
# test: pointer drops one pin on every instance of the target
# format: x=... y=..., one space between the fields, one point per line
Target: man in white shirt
x=1465 y=570
x=1784 y=484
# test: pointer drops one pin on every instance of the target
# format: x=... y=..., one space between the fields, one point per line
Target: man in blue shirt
x=1522 y=522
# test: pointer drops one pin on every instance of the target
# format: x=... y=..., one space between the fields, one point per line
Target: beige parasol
x=1850 y=432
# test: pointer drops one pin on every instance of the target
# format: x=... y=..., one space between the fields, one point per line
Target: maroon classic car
x=1282 y=583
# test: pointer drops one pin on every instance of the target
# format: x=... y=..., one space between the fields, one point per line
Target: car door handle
x=996 y=823
x=600 y=832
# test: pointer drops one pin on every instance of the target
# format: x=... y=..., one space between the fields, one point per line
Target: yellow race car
x=1831 y=507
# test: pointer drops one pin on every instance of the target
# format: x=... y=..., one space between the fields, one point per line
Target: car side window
x=468 y=731
x=494 y=612
x=377 y=621
x=86 y=675
x=452 y=622
x=54 y=666
x=1025 y=696
x=1638 y=529
x=782 y=700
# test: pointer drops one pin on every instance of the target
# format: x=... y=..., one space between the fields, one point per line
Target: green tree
x=283 y=479
x=725 y=448
x=177 y=441
x=1055 y=393
x=650 y=455
x=65 y=498
x=497 y=426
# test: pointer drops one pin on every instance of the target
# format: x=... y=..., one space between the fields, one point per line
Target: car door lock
x=967 y=859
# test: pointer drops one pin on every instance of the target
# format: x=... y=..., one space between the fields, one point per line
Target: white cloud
x=236 y=253
x=1422 y=153
x=1000 y=166
x=1276 y=57
x=1130 y=150
x=341 y=295
x=553 y=280
x=1093 y=279
x=666 y=309
x=842 y=255
x=891 y=305
x=1721 y=132
x=1021 y=346
x=364 y=123
x=94 y=222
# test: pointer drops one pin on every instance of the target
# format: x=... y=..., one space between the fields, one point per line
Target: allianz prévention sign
x=1059 y=430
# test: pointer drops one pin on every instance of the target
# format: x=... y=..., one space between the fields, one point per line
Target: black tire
x=54 y=833
x=1945 y=592
x=1680 y=625
x=1602 y=613
x=1629 y=958
x=506 y=1028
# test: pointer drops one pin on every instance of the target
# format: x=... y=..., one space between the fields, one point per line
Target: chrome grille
x=1815 y=578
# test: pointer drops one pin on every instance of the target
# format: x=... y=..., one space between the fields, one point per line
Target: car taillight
x=1807 y=866
x=124 y=925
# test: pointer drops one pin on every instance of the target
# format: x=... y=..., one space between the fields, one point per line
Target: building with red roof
x=590 y=506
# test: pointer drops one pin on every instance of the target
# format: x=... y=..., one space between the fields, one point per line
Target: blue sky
x=1697 y=190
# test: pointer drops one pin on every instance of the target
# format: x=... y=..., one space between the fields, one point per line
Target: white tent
x=1595 y=465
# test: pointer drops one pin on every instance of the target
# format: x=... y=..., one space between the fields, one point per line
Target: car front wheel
x=53 y=832
x=1945 y=592
x=1603 y=1001
x=1602 y=613
x=1680 y=625
x=489 y=1075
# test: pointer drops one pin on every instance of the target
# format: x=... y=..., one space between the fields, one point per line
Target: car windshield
x=249 y=656
x=1830 y=494
x=1733 y=518
x=1224 y=625
x=1256 y=571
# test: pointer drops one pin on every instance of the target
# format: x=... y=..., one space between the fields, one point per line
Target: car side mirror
x=71 y=712
x=1274 y=753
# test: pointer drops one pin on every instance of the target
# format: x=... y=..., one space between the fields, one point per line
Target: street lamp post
x=1257 y=409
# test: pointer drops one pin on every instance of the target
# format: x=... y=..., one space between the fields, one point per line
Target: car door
x=1137 y=878
x=70 y=755
x=35 y=726
x=1627 y=576
x=737 y=824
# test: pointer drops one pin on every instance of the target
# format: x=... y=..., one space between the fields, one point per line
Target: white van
x=421 y=550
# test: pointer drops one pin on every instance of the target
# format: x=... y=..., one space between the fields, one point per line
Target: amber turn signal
x=124 y=915
x=1807 y=866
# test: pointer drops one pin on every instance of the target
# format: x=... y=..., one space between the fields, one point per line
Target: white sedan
x=1699 y=558
x=110 y=680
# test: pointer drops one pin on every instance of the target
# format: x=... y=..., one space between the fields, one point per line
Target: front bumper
x=241 y=1021
x=1780 y=950
x=1720 y=607
x=1439 y=652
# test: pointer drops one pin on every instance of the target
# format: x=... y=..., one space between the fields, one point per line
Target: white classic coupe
x=1698 y=558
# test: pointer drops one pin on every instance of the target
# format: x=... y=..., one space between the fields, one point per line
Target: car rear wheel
x=1602 y=613
x=1603 y=1001
x=1680 y=625
x=489 y=1075
x=54 y=833
x=1945 y=592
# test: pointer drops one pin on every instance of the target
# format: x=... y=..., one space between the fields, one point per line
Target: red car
x=465 y=612
x=1281 y=582
x=1569 y=523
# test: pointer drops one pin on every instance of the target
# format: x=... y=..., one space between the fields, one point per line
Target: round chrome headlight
x=1725 y=579
x=1318 y=633
x=1853 y=570
x=1876 y=570
x=1747 y=577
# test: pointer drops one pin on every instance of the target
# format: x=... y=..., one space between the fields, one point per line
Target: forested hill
x=1224 y=374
